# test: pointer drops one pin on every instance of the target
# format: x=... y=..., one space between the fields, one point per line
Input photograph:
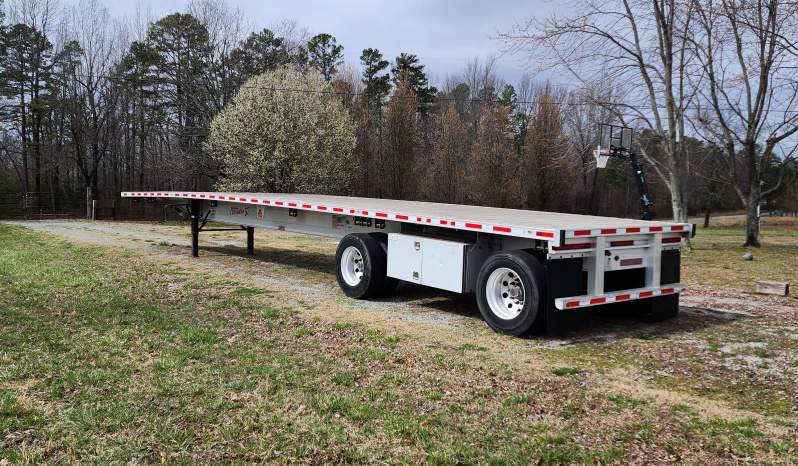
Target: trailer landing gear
x=194 y=211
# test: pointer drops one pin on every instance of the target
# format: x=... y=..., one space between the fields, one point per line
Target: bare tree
x=401 y=140
x=91 y=95
x=546 y=159
x=493 y=166
x=748 y=50
x=445 y=176
x=582 y=119
x=640 y=46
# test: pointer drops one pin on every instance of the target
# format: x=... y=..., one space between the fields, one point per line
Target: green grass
x=102 y=364
x=109 y=357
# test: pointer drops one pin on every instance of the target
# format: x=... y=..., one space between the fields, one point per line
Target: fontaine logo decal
x=237 y=211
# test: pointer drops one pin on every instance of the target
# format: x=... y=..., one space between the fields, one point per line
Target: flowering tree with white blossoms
x=284 y=132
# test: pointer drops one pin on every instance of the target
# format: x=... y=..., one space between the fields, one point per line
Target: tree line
x=128 y=104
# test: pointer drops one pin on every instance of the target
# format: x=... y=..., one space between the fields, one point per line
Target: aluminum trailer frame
x=629 y=265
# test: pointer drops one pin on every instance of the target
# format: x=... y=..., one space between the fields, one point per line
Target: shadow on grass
x=597 y=326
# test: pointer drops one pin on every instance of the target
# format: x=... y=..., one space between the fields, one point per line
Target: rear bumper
x=618 y=296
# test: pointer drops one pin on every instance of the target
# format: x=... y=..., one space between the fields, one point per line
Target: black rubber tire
x=374 y=265
x=533 y=277
x=389 y=284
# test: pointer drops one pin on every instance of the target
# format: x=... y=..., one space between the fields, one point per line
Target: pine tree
x=26 y=79
x=377 y=86
x=261 y=52
x=408 y=65
x=322 y=54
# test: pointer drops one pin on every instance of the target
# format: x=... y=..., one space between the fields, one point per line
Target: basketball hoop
x=602 y=156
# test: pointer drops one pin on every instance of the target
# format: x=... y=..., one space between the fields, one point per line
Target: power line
x=153 y=81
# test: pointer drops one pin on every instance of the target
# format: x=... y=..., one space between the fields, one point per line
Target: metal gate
x=42 y=205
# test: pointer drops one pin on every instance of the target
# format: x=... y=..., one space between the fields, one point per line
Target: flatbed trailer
x=531 y=271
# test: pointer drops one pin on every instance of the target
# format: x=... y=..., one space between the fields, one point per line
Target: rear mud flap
x=666 y=307
x=563 y=278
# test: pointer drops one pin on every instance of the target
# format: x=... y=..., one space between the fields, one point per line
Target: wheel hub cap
x=505 y=293
x=352 y=266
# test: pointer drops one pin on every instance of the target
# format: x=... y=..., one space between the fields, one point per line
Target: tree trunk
x=751 y=218
x=706 y=216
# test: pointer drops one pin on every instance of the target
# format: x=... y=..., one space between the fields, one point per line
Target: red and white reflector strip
x=617 y=296
x=625 y=231
x=402 y=217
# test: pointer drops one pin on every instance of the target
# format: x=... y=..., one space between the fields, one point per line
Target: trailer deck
x=512 y=222
x=569 y=261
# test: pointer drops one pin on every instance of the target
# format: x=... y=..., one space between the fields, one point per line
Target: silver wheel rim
x=352 y=266
x=505 y=293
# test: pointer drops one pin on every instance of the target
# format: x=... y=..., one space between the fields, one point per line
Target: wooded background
x=127 y=104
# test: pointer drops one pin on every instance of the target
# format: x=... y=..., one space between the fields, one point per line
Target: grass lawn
x=112 y=355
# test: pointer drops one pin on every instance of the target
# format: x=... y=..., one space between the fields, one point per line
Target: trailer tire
x=360 y=265
x=389 y=284
x=511 y=293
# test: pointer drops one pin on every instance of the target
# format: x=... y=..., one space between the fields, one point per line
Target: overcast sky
x=443 y=33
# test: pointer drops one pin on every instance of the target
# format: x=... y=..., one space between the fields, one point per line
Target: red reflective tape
x=544 y=234
x=444 y=222
x=201 y=195
x=473 y=225
x=351 y=211
x=336 y=209
x=667 y=290
x=598 y=300
x=631 y=262
x=212 y=197
x=401 y=217
x=221 y=197
x=193 y=195
x=572 y=246
x=622 y=297
x=633 y=230
x=655 y=229
x=616 y=244
x=253 y=200
x=610 y=231
x=418 y=219
x=321 y=207
x=185 y=195
x=380 y=214
x=572 y=304
x=267 y=202
x=306 y=206
x=365 y=213
x=503 y=229
x=452 y=223
x=671 y=240
x=677 y=228
x=290 y=204
x=278 y=202
x=646 y=293
x=429 y=220
x=582 y=233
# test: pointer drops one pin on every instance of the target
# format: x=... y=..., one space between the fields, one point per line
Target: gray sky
x=443 y=33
